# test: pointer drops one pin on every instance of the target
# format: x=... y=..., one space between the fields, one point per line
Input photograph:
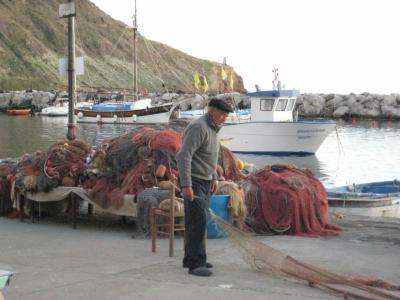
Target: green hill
x=33 y=38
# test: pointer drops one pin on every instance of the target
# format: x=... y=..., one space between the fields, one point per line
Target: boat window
x=291 y=104
x=281 y=104
x=266 y=104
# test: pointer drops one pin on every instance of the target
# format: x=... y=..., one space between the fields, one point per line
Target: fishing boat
x=375 y=199
x=270 y=125
x=138 y=111
x=19 y=112
x=270 y=128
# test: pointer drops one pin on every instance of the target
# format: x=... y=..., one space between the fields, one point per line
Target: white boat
x=375 y=199
x=269 y=127
x=59 y=109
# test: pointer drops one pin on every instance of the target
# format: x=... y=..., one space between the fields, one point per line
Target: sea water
x=358 y=151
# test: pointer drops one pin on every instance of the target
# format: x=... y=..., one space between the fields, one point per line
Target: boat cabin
x=273 y=106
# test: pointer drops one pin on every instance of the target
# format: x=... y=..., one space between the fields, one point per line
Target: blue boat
x=374 y=199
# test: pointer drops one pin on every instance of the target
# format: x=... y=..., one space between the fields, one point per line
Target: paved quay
x=102 y=261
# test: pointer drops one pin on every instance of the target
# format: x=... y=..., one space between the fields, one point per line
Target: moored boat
x=375 y=199
x=19 y=112
x=270 y=128
x=124 y=113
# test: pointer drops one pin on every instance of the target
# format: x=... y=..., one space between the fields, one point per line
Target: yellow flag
x=205 y=84
x=196 y=81
x=231 y=81
x=224 y=76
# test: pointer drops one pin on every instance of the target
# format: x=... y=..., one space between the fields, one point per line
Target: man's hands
x=214 y=186
x=187 y=192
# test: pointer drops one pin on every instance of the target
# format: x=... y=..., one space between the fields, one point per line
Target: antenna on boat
x=135 y=69
x=276 y=84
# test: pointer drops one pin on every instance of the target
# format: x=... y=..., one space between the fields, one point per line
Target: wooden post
x=32 y=211
x=90 y=209
x=21 y=203
x=153 y=229
x=73 y=210
x=172 y=219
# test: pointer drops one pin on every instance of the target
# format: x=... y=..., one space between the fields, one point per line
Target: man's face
x=218 y=116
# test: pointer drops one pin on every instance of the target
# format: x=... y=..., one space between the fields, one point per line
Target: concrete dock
x=101 y=260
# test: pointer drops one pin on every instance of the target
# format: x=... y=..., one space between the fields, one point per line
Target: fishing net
x=237 y=206
x=266 y=259
x=63 y=164
x=146 y=200
x=286 y=199
x=7 y=172
x=130 y=163
x=227 y=161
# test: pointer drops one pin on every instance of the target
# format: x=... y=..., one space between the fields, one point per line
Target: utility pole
x=71 y=134
x=135 y=67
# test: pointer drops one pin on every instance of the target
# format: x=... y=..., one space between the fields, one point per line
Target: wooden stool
x=156 y=228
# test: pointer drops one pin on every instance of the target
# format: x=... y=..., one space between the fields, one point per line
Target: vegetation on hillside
x=33 y=38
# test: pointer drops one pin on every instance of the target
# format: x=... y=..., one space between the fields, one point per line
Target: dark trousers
x=196 y=224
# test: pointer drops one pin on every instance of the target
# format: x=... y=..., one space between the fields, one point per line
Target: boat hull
x=153 y=115
x=276 y=138
x=55 y=111
x=378 y=199
x=19 y=112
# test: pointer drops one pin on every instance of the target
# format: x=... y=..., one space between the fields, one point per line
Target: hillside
x=33 y=38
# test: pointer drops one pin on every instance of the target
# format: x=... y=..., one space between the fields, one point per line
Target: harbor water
x=358 y=151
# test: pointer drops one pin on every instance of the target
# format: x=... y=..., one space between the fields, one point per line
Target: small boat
x=19 y=112
x=59 y=109
x=136 y=112
x=375 y=199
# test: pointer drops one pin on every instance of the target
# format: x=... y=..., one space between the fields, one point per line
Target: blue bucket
x=219 y=205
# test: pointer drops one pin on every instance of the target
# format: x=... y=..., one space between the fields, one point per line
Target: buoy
x=134 y=117
x=80 y=115
x=240 y=164
x=98 y=117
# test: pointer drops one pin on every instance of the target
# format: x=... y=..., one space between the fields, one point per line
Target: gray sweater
x=199 y=154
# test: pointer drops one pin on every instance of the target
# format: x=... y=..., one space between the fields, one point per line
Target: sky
x=319 y=46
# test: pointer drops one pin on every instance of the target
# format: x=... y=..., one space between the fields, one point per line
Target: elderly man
x=197 y=162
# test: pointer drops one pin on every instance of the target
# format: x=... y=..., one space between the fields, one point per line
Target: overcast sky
x=321 y=46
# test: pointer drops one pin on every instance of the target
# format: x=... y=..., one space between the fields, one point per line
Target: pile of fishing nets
x=130 y=163
x=286 y=199
x=63 y=164
x=7 y=172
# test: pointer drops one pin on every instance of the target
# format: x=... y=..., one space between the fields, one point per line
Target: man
x=197 y=162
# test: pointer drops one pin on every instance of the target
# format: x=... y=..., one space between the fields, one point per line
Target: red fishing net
x=286 y=199
x=129 y=163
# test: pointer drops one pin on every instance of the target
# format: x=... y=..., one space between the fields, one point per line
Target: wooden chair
x=169 y=228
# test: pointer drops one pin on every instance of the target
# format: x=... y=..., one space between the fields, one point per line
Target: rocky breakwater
x=35 y=100
x=372 y=106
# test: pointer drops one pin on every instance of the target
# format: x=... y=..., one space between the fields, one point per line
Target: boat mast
x=135 y=68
